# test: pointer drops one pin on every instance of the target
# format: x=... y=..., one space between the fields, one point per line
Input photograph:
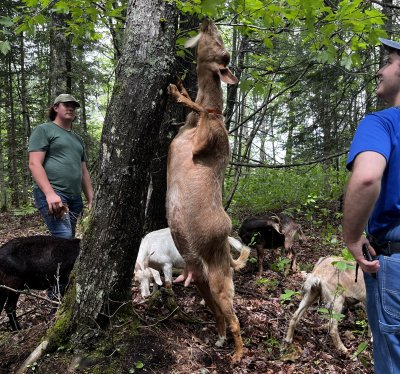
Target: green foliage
x=328 y=31
x=280 y=265
x=268 y=284
x=271 y=343
x=83 y=23
x=362 y=358
x=254 y=238
x=138 y=365
x=346 y=254
x=287 y=295
x=24 y=210
x=329 y=314
x=252 y=260
x=363 y=324
x=343 y=265
x=32 y=367
x=272 y=189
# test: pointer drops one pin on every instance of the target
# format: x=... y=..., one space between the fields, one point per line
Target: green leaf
x=268 y=42
x=5 y=47
x=5 y=21
x=139 y=365
x=210 y=7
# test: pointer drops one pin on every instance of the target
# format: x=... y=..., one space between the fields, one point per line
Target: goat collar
x=214 y=111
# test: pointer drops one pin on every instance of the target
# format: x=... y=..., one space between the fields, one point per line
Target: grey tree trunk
x=25 y=123
x=103 y=274
x=60 y=57
x=13 y=174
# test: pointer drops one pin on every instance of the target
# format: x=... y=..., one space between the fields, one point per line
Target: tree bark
x=60 y=56
x=12 y=142
x=103 y=274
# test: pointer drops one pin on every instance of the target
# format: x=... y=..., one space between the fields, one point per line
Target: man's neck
x=66 y=125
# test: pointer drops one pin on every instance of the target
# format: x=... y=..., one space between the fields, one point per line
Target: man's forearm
x=359 y=202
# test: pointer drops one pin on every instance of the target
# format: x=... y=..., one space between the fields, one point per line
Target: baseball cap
x=390 y=44
x=64 y=98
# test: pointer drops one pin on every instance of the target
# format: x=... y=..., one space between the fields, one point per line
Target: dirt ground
x=181 y=340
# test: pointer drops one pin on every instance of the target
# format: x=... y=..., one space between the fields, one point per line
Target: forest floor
x=167 y=340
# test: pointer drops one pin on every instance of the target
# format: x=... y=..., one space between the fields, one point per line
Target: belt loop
x=389 y=249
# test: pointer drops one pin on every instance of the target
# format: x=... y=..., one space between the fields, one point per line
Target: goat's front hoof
x=173 y=91
x=343 y=350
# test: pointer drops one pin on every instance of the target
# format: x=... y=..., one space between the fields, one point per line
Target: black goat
x=33 y=262
x=271 y=232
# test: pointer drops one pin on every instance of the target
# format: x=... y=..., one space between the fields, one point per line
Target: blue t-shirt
x=380 y=132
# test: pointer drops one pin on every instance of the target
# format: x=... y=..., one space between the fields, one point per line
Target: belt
x=384 y=248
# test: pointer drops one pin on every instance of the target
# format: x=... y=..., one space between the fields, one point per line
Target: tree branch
x=284 y=166
x=29 y=293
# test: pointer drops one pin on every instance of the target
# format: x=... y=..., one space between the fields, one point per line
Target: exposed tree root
x=33 y=357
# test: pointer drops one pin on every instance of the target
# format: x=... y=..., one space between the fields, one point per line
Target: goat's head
x=143 y=276
x=212 y=52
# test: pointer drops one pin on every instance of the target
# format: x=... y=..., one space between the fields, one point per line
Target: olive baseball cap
x=65 y=98
x=390 y=44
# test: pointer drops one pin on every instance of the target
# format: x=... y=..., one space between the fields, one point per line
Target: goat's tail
x=241 y=261
x=313 y=285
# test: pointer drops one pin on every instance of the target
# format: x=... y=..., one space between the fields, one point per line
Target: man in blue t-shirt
x=372 y=203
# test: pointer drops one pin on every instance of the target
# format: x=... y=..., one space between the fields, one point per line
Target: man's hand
x=356 y=251
x=54 y=203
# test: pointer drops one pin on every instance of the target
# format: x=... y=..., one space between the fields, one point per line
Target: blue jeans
x=62 y=227
x=383 y=308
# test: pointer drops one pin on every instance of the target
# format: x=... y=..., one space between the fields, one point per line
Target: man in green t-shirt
x=58 y=165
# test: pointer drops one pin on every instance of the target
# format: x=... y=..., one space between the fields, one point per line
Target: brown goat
x=269 y=232
x=332 y=287
x=197 y=160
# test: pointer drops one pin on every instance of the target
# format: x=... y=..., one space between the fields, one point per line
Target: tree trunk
x=103 y=274
x=12 y=142
x=25 y=123
x=60 y=52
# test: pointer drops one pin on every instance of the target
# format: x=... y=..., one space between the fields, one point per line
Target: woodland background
x=307 y=76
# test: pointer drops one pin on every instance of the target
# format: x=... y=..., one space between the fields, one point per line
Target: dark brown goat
x=197 y=160
x=271 y=232
x=33 y=262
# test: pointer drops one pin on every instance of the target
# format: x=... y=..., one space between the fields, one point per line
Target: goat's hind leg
x=205 y=292
x=310 y=296
x=333 y=327
x=222 y=290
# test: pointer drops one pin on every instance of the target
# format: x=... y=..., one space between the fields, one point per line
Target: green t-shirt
x=65 y=152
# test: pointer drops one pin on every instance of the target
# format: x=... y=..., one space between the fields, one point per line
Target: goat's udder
x=188 y=279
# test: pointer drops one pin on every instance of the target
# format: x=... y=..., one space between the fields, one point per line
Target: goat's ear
x=146 y=261
x=156 y=275
x=277 y=227
x=192 y=42
x=226 y=76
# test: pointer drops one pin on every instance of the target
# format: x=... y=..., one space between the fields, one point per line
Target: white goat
x=333 y=287
x=157 y=252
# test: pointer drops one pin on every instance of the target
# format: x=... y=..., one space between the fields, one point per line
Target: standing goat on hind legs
x=197 y=160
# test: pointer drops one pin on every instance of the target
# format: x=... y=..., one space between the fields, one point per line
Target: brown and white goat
x=197 y=160
x=270 y=232
x=332 y=287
